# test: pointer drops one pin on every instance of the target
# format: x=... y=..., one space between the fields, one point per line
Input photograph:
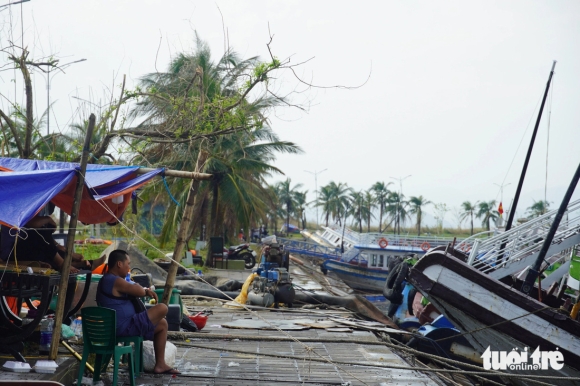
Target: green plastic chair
x=99 y=335
x=138 y=347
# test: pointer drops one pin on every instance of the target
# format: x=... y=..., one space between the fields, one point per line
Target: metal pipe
x=533 y=273
x=528 y=155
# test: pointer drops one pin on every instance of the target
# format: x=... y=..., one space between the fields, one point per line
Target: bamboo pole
x=65 y=269
x=179 y=173
x=182 y=233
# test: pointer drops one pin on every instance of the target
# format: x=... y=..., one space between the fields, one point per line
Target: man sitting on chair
x=114 y=292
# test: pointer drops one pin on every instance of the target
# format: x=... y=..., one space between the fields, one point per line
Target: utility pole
x=400 y=179
x=315 y=173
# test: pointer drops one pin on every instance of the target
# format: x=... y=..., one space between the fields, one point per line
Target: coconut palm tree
x=381 y=192
x=356 y=209
x=301 y=204
x=287 y=196
x=239 y=161
x=325 y=201
x=370 y=203
x=417 y=204
x=340 y=200
x=397 y=209
x=539 y=208
x=486 y=211
x=468 y=211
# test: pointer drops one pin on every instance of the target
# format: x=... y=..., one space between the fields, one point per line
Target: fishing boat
x=364 y=264
x=493 y=290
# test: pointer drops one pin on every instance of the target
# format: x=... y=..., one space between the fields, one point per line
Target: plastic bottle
x=199 y=273
x=46 y=326
x=128 y=277
x=77 y=327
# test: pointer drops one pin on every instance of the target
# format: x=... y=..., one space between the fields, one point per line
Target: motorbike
x=241 y=252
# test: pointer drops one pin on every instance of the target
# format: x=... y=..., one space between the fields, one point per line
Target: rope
x=169 y=191
x=448 y=361
x=106 y=208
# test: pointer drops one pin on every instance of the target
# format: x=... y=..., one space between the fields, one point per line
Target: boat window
x=381 y=261
x=373 y=260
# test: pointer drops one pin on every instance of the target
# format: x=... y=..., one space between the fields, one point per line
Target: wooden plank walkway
x=220 y=355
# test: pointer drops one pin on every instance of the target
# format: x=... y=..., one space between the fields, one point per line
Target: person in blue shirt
x=114 y=292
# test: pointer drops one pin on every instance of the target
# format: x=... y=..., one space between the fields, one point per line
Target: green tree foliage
x=469 y=211
x=538 y=208
x=487 y=212
x=288 y=196
x=417 y=204
x=381 y=192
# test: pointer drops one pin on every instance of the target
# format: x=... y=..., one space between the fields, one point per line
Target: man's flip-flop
x=169 y=372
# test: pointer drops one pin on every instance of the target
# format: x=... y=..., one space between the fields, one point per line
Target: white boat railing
x=513 y=250
x=334 y=234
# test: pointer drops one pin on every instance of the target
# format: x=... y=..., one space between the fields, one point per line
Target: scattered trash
x=17 y=367
x=233 y=364
x=88 y=381
x=189 y=366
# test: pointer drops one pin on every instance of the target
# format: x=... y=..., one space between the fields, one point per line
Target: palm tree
x=397 y=209
x=340 y=200
x=356 y=208
x=539 y=208
x=370 y=202
x=417 y=204
x=381 y=194
x=240 y=161
x=287 y=196
x=468 y=211
x=325 y=201
x=301 y=205
x=486 y=212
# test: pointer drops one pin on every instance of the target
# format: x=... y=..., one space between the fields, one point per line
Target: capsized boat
x=495 y=294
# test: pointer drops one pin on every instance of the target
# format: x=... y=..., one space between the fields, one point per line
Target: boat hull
x=496 y=315
x=359 y=277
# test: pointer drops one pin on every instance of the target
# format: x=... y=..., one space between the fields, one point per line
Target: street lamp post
x=48 y=66
x=400 y=179
x=315 y=173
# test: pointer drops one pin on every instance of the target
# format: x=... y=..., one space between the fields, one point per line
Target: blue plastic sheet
x=26 y=186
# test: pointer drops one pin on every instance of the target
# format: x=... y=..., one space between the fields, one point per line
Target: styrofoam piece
x=17 y=367
x=45 y=366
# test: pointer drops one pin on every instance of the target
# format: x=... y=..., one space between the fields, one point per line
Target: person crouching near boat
x=114 y=292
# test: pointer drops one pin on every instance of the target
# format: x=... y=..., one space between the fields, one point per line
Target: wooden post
x=182 y=233
x=65 y=270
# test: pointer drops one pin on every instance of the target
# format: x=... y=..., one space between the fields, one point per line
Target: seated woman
x=35 y=243
x=114 y=291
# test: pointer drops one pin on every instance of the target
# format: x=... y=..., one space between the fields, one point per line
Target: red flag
x=500 y=209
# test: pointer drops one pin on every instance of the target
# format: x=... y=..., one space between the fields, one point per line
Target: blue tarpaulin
x=26 y=186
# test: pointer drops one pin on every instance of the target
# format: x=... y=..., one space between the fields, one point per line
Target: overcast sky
x=451 y=98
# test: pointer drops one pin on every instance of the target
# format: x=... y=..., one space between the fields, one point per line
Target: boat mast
x=534 y=271
x=527 y=161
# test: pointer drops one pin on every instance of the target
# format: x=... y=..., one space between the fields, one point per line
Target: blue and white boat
x=364 y=264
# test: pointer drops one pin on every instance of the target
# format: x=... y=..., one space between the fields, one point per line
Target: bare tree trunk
x=214 y=209
x=182 y=232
